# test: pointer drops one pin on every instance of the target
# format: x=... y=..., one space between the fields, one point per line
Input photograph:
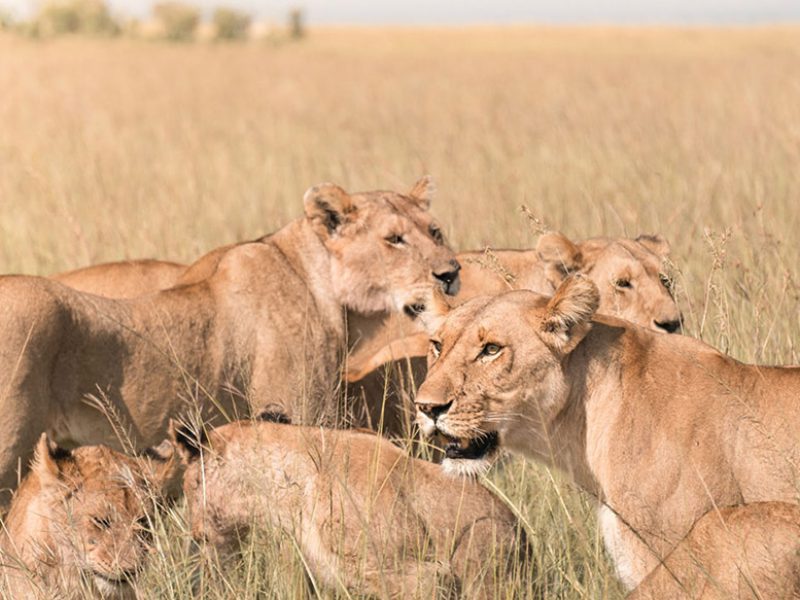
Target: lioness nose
x=669 y=326
x=449 y=277
x=433 y=410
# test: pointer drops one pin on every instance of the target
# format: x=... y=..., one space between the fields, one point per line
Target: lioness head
x=495 y=371
x=629 y=274
x=97 y=505
x=386 y=250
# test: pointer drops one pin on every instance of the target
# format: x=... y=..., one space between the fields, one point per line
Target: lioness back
x=124 y=279
x=344 y=494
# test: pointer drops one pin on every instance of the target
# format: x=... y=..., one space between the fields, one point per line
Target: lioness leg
x=31 y=325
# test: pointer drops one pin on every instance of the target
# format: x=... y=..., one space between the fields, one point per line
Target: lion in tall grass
x=79 y=523
x=365 y=515
x=659 y=428
x=265 y=324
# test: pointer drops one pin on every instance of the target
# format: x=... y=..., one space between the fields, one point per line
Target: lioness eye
x=436 y=234
x=101 y=522
x=490 y=349
x=436 y=346
x=665 y=280
x=395 y=240
x=623 y=283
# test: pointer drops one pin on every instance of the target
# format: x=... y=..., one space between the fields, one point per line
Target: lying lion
x=747 y=552
x=660 y=428
x=263 y=324
x=364 y=514
x=79 y=523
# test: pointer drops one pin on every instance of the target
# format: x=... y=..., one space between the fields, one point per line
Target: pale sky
x=442 y=12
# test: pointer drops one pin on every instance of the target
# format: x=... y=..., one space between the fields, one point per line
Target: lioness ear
x=423 y=191
x=559 y=253
x=568 y=315
x=327 y=207
x=186 y=440
x=163 y=469
x=48 y=459
x=655 y=243
x=436 y=309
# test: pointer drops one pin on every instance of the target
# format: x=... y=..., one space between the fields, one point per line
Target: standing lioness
x=365 y=515
x=265 y=325
x=660 y=428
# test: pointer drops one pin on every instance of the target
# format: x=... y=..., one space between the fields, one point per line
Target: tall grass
x=117 y=149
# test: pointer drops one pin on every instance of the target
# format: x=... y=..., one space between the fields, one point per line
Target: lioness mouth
x=472 y=449
x=414 y=310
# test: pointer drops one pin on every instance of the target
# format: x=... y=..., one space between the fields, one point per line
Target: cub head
x=629 y=273
x=386 y=250
x=97 y=506
x=495 y=371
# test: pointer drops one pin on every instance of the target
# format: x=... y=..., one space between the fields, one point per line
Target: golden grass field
x=114 y=149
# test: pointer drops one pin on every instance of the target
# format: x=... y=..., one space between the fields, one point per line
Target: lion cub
x=747 y=552
x=365 y=515
x=79 y=522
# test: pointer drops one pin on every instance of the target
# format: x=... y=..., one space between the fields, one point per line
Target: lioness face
x=630 y=274
x=633 y=282
x=495 y=374
x=386 y=250
x=102 y=505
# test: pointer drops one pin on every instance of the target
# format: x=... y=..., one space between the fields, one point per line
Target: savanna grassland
x=113 y=149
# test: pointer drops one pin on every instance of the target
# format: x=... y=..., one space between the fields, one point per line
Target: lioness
x=79 y=521
x=365 y=515
x=264 y=325
x=660 y=428
x=747 y=552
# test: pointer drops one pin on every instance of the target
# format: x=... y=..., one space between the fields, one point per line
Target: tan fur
x=263 y=323
x=80 y=521
x=747 y=552
x=124 y=279
x=365 y=515
x=660 y=428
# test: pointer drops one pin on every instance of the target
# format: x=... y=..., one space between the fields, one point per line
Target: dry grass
x=114 y=149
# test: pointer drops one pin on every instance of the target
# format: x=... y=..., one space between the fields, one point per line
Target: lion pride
x=629 y=272
x=267 y=325
x=659 y=428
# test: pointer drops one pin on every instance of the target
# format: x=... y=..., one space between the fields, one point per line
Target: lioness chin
x=365 y=515
x=659 y=428
x=80 y=522
x=263 y=323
